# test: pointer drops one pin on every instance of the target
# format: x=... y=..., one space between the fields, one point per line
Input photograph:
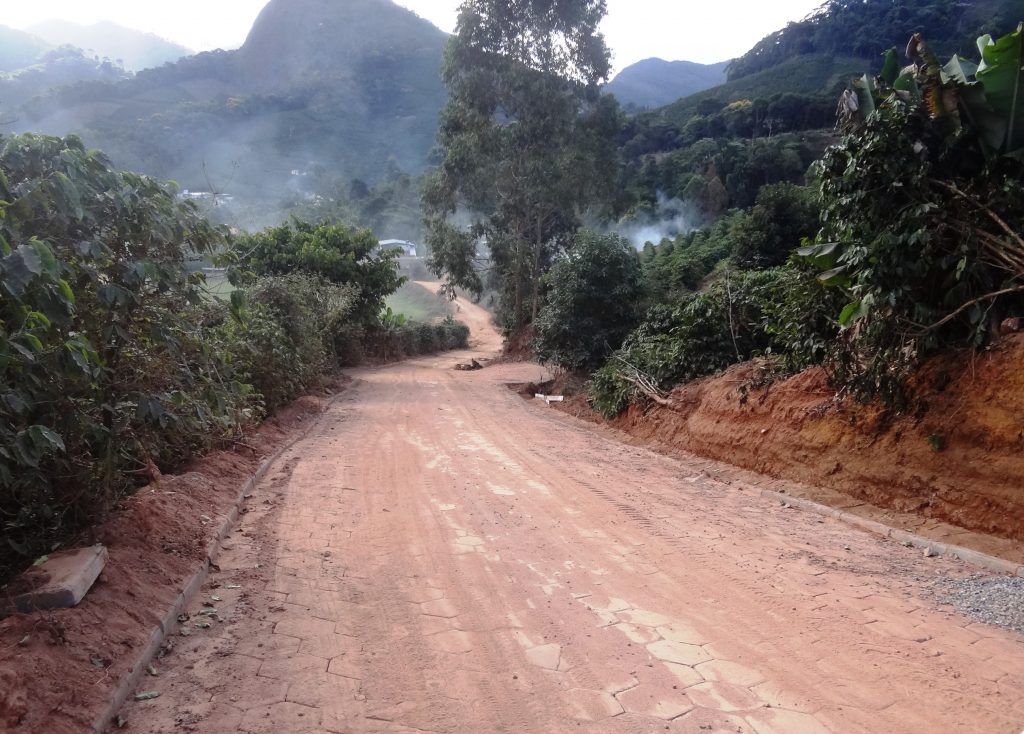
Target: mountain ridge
x=655 y=82
x=321 y=92
x=136 y=49
x=19 y=49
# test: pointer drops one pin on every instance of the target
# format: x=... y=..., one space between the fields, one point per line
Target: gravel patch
x=996 y=600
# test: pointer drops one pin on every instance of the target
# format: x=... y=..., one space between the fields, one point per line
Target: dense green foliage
x=397 y=337
x=782 y=216
x=860 y=27
x=763 y=236
x=116 y=364
x=593 y=299
x=336 y=252
x=923 y=207
x=105 y=367
x=526 y=140
x=700 y=334
x=287 y=336
x=715 y=174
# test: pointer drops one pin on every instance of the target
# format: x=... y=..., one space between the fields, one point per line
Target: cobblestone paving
x=440 y=556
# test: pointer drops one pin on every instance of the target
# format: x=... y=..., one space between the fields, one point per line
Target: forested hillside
x=656 y=82
x=129 y=48
x=321 y=93
x=859 y=28
x=18 y=49
x=59 y=67
x=776 y=114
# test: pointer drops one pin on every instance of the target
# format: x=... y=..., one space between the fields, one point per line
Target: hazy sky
x=636 y=29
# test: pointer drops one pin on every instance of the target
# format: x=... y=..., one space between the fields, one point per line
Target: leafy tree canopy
x=594 y=295
x=525 y=140
x=339 y=253
x=782 y=216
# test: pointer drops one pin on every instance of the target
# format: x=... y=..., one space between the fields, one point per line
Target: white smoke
x=671 y=218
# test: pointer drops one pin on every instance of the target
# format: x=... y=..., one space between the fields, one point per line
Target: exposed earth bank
x=58 y=669
x=961 y=462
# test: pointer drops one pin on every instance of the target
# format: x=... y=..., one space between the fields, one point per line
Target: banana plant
x=988 y=96
x=1001 y=74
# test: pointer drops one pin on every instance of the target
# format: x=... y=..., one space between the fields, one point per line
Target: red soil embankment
x=961 y=463
x=59 y=668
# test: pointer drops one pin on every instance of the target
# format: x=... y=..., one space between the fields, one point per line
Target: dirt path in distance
x=440 y=555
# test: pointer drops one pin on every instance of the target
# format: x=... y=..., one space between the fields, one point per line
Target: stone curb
x=169 y=621
x=976 y=558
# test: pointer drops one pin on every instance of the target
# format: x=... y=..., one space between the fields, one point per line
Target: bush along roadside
x=920 y=248
x=116 y=364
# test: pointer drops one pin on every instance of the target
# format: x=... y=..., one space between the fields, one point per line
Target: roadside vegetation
x=912 y=245
x=116 y=365
x=863 y=245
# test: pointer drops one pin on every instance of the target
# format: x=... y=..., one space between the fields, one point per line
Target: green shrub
x=287 y=337
x=923 y=209
x=593 y=301
x=608 y=393
x=335 y=252
x=783 y=215
x=107 y=365
x=703 y=334
x=800 y=320
x=395 y=339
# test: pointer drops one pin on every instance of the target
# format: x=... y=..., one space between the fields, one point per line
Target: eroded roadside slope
x=959 y=463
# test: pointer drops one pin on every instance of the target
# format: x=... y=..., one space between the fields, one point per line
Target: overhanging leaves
x=1002 y=74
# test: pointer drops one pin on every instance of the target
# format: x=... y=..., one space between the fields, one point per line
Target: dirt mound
x=959 y=461
x=57 y=669
x=519 y=346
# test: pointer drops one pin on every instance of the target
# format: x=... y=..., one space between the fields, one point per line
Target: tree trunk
x=537 y=245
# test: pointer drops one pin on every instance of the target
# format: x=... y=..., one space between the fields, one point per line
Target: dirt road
x=442 y=556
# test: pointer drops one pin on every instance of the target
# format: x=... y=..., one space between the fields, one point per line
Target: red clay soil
x=961 y=463
x=58 y=669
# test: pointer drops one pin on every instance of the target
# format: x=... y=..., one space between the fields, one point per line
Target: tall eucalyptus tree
x=526 y=144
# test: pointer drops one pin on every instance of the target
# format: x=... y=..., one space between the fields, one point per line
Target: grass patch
x=417 y=303
x=218 y=287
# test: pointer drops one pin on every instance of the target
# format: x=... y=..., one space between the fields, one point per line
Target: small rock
x=1010 y=326
x=929 y=552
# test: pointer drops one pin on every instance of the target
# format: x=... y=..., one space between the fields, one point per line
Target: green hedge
x=114 y=359
x=740 y=316
x=410 y=339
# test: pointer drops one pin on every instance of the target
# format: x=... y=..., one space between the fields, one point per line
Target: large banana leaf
x=959 y=70
x=866 y=94
x=891 y=68
x=1002 y=74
